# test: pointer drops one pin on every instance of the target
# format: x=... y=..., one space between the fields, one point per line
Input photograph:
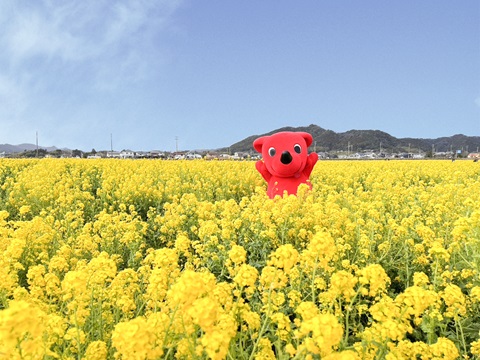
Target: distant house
x=2 y=154
x=442 y=154
x=418 y=156
x=127 y=154
x=473 y=156
x=156 y=154
x=224 y=157
x=192 y=156
x=211 y=156
x=369 y=155
x=113 y=154
x=240 y=156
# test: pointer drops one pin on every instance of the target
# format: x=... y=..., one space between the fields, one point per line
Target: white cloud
x=30 y=33
x=12 y=99
x=13 y=104
x=94 y=32
x=55 y=52
x=477 y=101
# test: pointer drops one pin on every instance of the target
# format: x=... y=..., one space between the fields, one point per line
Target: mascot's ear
x=308 y=138
x=258 y=143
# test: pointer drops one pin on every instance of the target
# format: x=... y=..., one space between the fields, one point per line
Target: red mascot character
x=286 y=163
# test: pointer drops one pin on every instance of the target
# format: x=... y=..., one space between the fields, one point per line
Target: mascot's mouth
x=287 y=167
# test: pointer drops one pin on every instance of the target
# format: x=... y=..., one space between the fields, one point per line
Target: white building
x=127 y=154
x=113 y=154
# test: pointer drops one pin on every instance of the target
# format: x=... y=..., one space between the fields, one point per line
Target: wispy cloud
x=113 y=38
x=12 y=97
x=54 y=47
x=79 y=30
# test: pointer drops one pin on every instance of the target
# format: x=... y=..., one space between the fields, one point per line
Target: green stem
x=347 y=316
x=407 y=269
x=78 y=336
x=313 y=280
x=458 y=325
x=264 y=325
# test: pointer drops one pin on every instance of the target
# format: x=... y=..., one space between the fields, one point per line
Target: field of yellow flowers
x=119 y=259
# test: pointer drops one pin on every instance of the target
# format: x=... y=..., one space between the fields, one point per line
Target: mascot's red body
x=286 y=163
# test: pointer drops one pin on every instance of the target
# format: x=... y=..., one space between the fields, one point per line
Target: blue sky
x=212 y=72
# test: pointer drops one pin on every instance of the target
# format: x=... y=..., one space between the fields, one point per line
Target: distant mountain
x=374 y=140
x=331 y=141
x=11 y=149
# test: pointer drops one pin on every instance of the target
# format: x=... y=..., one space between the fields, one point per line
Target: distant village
x=178 y=155
x=129 y=154
x=225 y=155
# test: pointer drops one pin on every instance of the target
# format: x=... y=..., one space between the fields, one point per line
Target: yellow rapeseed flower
x=319 y=334
x=265 y=351
x=96 y=350
x=246 y=276
x=420 y=279
x=444 y=349
x=285 y=257
x=342 y=283
x=375 y=277
x=475 y=348
x=21 y=331
x=455 y=301
x=137 y=339
x=237 y=254
x=415 y=300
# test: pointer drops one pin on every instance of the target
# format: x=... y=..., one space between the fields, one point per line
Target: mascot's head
x=284 y=153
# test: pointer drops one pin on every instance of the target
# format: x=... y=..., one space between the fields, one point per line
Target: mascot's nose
x=286 y=158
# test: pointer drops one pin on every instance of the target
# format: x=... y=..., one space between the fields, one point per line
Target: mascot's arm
x=262 y=169
x=311 y=161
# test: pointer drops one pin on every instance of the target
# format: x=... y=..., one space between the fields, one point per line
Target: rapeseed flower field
x=118 y=259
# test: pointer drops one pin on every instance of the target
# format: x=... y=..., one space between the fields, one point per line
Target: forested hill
x=374 y=140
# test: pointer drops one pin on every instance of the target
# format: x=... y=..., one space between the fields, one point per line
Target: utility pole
x=176 y=144
x=111 y=142
x=36 y=133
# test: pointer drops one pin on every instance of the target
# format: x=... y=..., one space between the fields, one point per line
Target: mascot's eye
x=272 y=151
x=297 y=148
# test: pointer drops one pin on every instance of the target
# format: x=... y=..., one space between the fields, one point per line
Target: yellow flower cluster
x=109 y=259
